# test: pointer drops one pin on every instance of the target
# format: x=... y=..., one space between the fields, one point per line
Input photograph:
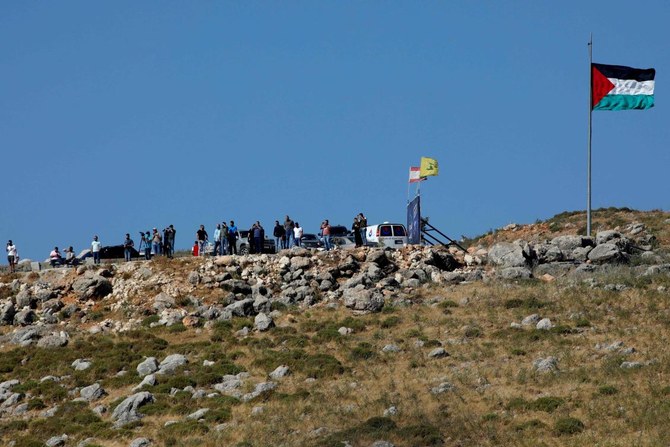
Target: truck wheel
x=244 y=249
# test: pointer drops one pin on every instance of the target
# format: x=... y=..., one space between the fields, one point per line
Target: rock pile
x=196 y=292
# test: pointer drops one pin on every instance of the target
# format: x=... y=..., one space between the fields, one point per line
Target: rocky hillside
x=546 y=339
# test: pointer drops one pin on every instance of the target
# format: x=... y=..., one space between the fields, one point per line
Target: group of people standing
x=151 y=244
x=358 y=228
x=157 y=243
x=287 y=235
x=225 y=239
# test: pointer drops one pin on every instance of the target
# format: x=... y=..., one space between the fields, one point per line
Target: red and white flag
x=415 y=174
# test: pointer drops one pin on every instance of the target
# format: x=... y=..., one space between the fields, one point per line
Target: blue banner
x=414 y=221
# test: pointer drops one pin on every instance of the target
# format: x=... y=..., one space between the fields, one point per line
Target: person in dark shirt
x=202 y=237
x=280 y=236
x=128 y=244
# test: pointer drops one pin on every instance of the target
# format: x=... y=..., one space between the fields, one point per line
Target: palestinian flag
x=615 y=87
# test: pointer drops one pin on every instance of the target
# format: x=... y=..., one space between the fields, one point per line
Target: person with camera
x=145 y=241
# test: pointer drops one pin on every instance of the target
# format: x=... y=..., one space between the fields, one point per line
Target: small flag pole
x=588 y=162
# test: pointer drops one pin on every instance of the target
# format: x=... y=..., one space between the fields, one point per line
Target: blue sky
x=122 y=116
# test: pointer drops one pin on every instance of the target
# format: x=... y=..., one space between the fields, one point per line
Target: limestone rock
x=127 y=411
x=171 y=363
x=263 y=322
x=546 y=365
x=148 y=366
x=506 y=254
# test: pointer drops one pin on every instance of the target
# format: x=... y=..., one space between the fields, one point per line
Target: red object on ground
x=195 y=249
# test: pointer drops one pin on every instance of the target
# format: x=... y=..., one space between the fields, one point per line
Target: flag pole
x=588 y=162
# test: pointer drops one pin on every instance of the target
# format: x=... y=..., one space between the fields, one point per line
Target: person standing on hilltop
x=128 y=245
x=297 y=234
x=259 y=234
x=233 y=234
x=289 y=226
x=168 y=241
x=224 y=238
x=280 y=236
x=202 y=237
x=356 y=229
x=363 y=224
x=12 y=256
x=156 y=240
x=146 y=243
x=218 y=240
x=325 y=233
x=95 y=249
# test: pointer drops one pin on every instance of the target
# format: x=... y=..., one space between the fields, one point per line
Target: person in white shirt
x=95 y=250
x=297 y=234
x=12 y=256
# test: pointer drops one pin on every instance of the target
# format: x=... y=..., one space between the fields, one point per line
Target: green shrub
x=390 y=322
x=607 y=390
x=363 y=351
x=568 y=426
x=547 y=404
x=149 y=320
x=530 y=425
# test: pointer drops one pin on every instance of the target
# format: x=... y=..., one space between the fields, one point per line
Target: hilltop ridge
x=535 y=334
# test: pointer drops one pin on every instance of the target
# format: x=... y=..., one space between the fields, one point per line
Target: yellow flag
x=428 y=166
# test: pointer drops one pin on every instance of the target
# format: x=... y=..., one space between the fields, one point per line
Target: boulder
x=263 y=322
x=92 y=392
x=126 y=411
x=279 y=372
x=7 y=312
x=53 y=341
x=606 y=236
x=506 y=254
x=363 y=300
x=241 y=308
x=171 y=363
x=148 y=366
x=546 y=365
x=377 y=256
x=515 y=273
x=259 y=389
x=81 y=364
x=567 y=243
x=237 y=286
x=149 y=380
x=606 y=253
x=438 y=353
x=300 y=262
x=56 y=441
x=163 y=301
x=140 y=442
x=25 y=317
x=92 y=286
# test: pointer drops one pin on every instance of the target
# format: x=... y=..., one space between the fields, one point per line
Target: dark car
x=338 y=231
x=310 y=240
x=117 y=252
x=243 y=244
